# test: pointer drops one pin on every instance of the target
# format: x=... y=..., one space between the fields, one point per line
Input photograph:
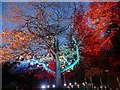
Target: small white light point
x=43 y=86
x=70 y=83
x=48 y=86
x=65 y=84
x=47 y=64
x=31 y=63
x=68 y=71
x=53 y=86
x=75 y=83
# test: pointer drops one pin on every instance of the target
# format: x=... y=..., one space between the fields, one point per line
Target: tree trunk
x=58 y=72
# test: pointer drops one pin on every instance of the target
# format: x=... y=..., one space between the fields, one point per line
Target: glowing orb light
x=70 y=83
x=53 y=86
x=65 y=84
x=43 y=86
x=48 y=86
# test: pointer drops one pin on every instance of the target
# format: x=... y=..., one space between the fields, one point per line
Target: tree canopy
x=39 y=25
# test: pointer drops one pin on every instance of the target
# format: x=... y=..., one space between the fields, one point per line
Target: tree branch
x=44 y=65
x=76 y=61
x=41 y=38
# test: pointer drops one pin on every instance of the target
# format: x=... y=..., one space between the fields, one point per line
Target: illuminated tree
x=96 y=28
x=14 y=43
x=47 y=24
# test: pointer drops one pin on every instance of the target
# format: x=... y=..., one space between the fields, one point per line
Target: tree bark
x=58 y=70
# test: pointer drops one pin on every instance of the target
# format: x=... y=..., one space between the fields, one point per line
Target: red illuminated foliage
x=52 y=65
x=96 y=26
